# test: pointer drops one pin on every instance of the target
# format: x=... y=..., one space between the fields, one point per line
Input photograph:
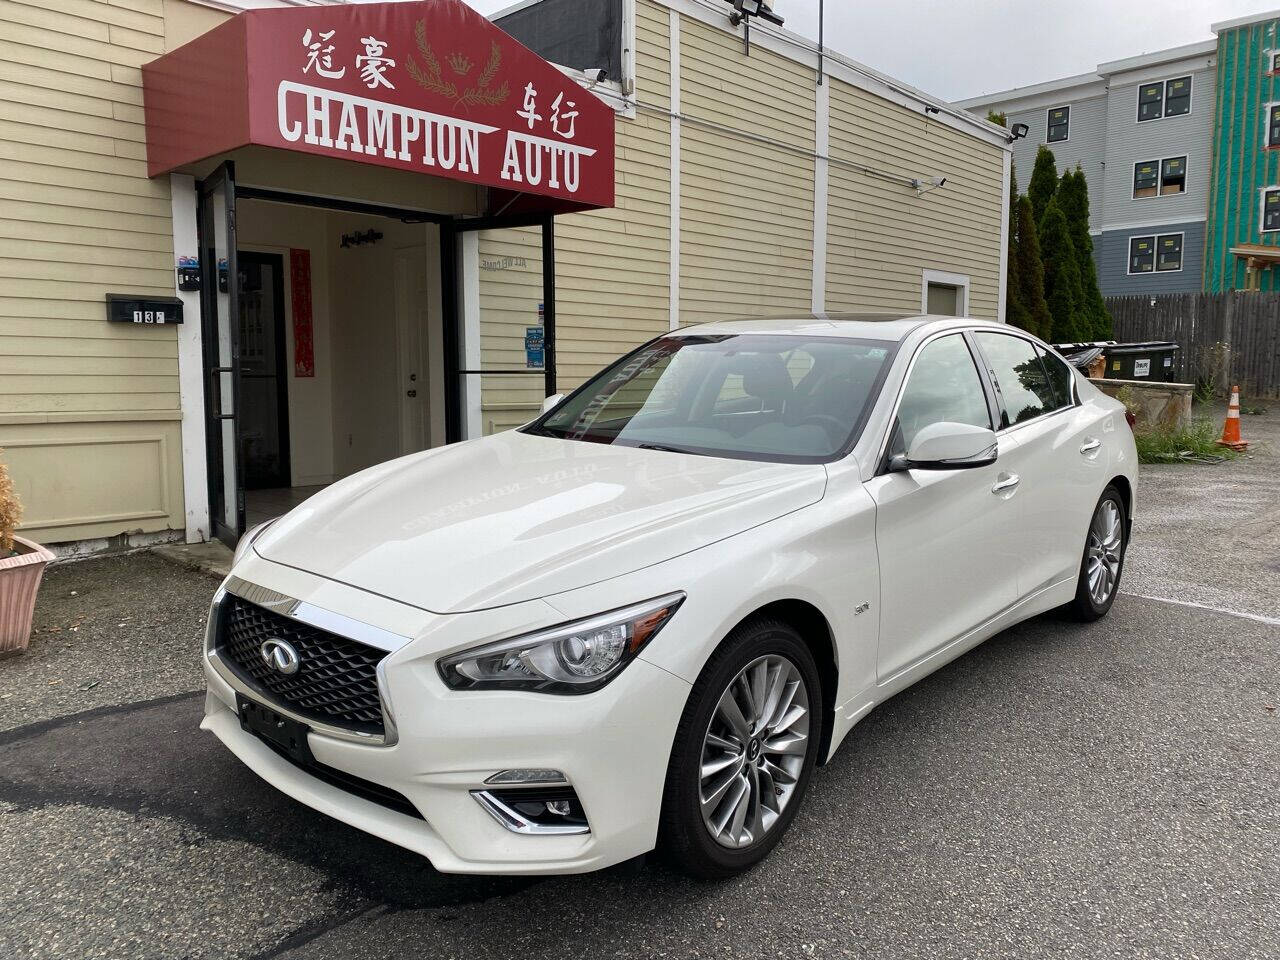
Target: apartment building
x=1142 y=129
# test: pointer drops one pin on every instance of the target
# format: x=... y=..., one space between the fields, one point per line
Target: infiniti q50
x=642 y=621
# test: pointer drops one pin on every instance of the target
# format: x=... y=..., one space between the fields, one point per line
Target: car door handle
x=1090 y=446
x=1006 y=483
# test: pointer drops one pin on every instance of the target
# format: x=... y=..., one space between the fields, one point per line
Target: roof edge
x=1245 y=21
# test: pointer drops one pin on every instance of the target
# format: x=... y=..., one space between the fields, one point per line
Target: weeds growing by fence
x=1195 y=443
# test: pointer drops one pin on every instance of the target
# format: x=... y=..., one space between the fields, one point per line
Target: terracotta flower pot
x=19 y=581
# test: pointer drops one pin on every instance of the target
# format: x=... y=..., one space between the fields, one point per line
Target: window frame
x=1164 y=98
x=1037 y=348
x=1268 y=125
x=1155 y=253
x=1160 y=162
x=1048 y=124
x=1191 y=84
x=959 y=280
x=1262 y=209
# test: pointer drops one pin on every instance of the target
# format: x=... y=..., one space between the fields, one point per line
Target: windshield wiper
x=663 y=448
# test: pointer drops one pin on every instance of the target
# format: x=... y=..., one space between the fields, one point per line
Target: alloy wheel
x=1104 y=551
x=754 y=751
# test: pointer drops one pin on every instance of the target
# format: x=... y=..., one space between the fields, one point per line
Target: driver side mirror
x=948 y=446
x=551 y=402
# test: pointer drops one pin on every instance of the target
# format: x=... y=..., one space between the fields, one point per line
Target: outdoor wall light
x=753 y=8
x=1018 y=131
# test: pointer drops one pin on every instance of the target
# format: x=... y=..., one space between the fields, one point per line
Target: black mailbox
x=148 y=311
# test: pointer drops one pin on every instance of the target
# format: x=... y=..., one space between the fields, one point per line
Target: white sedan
x=642 y=620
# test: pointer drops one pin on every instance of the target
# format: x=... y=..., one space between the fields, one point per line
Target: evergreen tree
x=1030 y=271
x=1061 y=277
x=1043 y=185
x=1073 y=197
x=1015 y=307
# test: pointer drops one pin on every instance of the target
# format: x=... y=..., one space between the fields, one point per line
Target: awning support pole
x=450 y=307
x=549 y=303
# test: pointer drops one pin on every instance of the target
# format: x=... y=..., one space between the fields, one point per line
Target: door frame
x=282 y=356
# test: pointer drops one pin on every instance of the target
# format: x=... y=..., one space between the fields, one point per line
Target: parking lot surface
x=1063 y=790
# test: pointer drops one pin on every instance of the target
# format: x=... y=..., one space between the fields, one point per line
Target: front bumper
x=612 y=745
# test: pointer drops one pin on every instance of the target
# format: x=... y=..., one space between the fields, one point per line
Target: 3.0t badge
x=281 y=656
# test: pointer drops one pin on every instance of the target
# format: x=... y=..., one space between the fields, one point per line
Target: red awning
x=430 y=86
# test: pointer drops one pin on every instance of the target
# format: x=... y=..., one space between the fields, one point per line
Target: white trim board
x=674 y=212
x=821 y=186
x=1006 y=206
x=942 y=278
x=195 y=467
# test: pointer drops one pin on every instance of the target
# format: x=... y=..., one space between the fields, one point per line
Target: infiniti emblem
x=281 y=657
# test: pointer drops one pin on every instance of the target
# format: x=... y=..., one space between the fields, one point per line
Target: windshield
x=794 y=399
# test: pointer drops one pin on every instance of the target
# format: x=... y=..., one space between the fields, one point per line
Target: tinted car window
x=944 y=387
x=1024 y=387
x=1060 y=378
x=784 y=398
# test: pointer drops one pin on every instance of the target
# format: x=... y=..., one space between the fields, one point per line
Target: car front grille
x=336 y=682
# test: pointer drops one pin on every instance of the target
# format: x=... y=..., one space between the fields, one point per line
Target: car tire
x=769 y=761
x=1104 y=552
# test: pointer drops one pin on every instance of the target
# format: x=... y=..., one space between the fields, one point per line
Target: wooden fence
x=1226 y=338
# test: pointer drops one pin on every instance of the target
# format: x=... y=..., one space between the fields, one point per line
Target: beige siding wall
x=612 y=266
x=88 y=410
x=881 y=236
x=746 y=226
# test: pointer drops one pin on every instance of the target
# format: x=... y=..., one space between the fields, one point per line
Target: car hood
x=516 y=517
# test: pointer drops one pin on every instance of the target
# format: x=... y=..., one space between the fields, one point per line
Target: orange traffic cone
x=1231 y=429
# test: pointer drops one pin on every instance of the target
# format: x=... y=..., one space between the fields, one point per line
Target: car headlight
x=572 y=658
x=247 y=540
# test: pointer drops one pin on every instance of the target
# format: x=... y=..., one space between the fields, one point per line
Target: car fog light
x=534 y=775
x=547 y=811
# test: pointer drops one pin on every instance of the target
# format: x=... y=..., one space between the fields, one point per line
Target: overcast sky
x=960 y=48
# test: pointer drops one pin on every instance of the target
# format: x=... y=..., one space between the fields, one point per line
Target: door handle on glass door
x=1008 y=482
x=1090 y=446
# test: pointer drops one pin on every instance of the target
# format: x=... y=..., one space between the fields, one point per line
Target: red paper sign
x=304 y=355
x=430 y=86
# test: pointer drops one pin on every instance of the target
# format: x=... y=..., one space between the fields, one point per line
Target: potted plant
x=22 y=565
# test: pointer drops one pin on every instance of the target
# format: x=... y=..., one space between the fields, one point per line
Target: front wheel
x=744 y=752
x=1103 y=560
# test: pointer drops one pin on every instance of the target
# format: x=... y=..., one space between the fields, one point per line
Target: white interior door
x=411 y=335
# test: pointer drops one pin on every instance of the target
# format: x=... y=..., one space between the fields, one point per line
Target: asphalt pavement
x=1110 y=790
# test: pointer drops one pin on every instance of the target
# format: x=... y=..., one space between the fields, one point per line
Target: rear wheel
x=744 y=752
x=1103 y=561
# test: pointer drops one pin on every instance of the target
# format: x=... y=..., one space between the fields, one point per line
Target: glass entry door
x=221 y=336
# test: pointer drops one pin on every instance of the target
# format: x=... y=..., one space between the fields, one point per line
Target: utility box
x=1155 y=361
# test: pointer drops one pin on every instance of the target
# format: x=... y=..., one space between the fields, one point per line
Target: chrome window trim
x=316 y=617
x=513 y=821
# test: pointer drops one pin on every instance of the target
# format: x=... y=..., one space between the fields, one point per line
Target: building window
x=1273 y=125
x=1173 y=176
x=1159 y=178
x=1164 y=98
x=1177 y=97
x=1059 y=125
x=1155 y=254
x=1271 y=210
x=1169 y=253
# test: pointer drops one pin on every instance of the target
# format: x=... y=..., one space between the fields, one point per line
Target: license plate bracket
x=283 y=733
